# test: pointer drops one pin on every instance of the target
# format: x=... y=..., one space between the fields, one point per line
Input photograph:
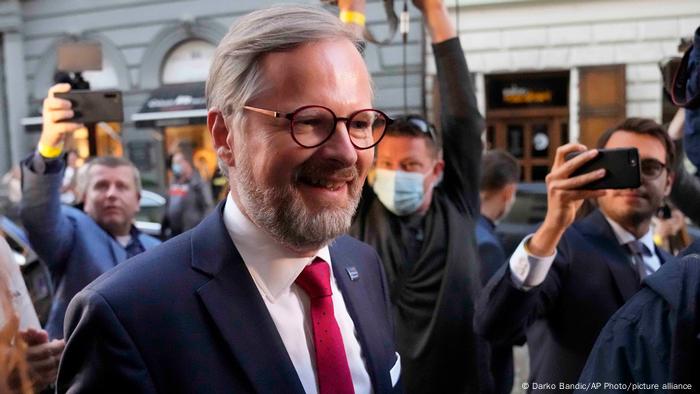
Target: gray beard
x=282 y=213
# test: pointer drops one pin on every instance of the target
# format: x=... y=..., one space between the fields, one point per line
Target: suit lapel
x=238 y=311
x=354 y=295
x=662 y=255
x=597 y=228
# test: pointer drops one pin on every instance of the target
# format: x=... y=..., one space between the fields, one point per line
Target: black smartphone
x=622 y=169
x=92 y=106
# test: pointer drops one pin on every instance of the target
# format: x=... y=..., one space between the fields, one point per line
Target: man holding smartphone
x=565 y=281
x=77 y=245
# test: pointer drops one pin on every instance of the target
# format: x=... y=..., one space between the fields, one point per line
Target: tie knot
x=638 y=248
x=315 y=279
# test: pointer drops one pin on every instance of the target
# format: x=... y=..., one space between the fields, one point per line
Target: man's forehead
x=307 y=69
x=403 y=147
x=648 y=145
x=99 y=171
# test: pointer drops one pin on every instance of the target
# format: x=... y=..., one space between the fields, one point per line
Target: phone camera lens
x=633 y=162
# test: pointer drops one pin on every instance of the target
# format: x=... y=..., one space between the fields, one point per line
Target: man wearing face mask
x=189 y=198
x=419 y=214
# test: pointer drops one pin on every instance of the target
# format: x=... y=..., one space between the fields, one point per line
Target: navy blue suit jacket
x=187 y=317
x=491 y=253
x=589 y=280
x=491 y=258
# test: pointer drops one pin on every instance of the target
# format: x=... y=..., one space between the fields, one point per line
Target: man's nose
x=339 y=147
x=111 y=191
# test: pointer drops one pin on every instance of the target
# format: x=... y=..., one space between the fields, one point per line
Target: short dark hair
x=646 y=127
x=498 y=169
x=113 y=162
x=403 y=126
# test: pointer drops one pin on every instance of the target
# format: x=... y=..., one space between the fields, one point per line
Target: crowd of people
x=309 y=278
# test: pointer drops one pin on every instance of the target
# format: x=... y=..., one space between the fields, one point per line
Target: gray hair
x=235 y=75
x=106 y=161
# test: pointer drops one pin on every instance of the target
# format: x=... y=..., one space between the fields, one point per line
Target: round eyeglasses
x=652 y=168
x=312 y=125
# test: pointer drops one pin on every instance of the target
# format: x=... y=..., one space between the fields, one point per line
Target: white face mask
x=399 y=191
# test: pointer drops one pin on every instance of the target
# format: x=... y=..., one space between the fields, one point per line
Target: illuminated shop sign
x=527 y=90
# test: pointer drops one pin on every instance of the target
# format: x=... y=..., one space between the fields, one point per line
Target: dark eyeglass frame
x=420 y=123
x=290 y=116
x=661 y=167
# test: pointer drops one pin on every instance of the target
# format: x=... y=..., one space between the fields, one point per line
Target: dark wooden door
x=602 y=100
x=532 y=140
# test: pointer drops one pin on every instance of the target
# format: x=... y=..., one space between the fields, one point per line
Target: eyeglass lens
x=651 y=168
x=311 y=126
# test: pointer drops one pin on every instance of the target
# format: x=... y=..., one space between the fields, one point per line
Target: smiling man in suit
x=565 y=281
x=265 y=295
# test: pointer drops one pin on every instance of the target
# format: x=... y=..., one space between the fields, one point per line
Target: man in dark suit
x=78 y=245
x=500 y=173
x=565 y=281
x=423 y=228
x=653 y=339
x=265 y=295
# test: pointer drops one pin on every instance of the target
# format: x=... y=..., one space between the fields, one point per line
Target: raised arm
x=460 y=120
x=686 y=186
x=50 y=232
x=692 y=115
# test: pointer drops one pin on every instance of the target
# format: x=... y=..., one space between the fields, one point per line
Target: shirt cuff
x=528 y=270
x=41 y=165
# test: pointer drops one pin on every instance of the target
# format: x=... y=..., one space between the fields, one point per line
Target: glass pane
x=540 y=140
x=564 y=133
x=490 y=137
x=515 y=140
x=539 y=173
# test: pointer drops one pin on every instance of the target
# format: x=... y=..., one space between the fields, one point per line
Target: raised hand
x=437 y=19
x=563 y=197
x=54 y=110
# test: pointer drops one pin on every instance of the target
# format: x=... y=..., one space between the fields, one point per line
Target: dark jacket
x=433 y=294
x=188 y=204
x=187 y=317
x=654 y=337
x=491 y=258
x=591 y=278
x=74 y=247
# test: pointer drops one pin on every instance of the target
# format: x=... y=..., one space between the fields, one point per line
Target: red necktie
x=332 y=367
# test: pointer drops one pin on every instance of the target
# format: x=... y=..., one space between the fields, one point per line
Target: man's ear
x=222 y=137
x=669 y=183
x=438 y=168
x=138 y=198
x=509 y=192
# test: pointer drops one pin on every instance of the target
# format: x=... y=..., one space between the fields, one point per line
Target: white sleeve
x=21 y=301
x=528 y=270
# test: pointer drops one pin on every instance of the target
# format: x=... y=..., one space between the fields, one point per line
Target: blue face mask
x=399 y=191
x=177 y=170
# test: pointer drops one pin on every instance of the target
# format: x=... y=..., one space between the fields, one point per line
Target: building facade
x=547 y=72
x=157 y=53
x=550 y=72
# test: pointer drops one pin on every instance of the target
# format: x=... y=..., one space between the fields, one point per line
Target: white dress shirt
x=274 y=269
x=528 y=270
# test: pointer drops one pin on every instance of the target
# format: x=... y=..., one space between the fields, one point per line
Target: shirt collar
x=124 y=240
x=273 y=266
x=623 y=236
